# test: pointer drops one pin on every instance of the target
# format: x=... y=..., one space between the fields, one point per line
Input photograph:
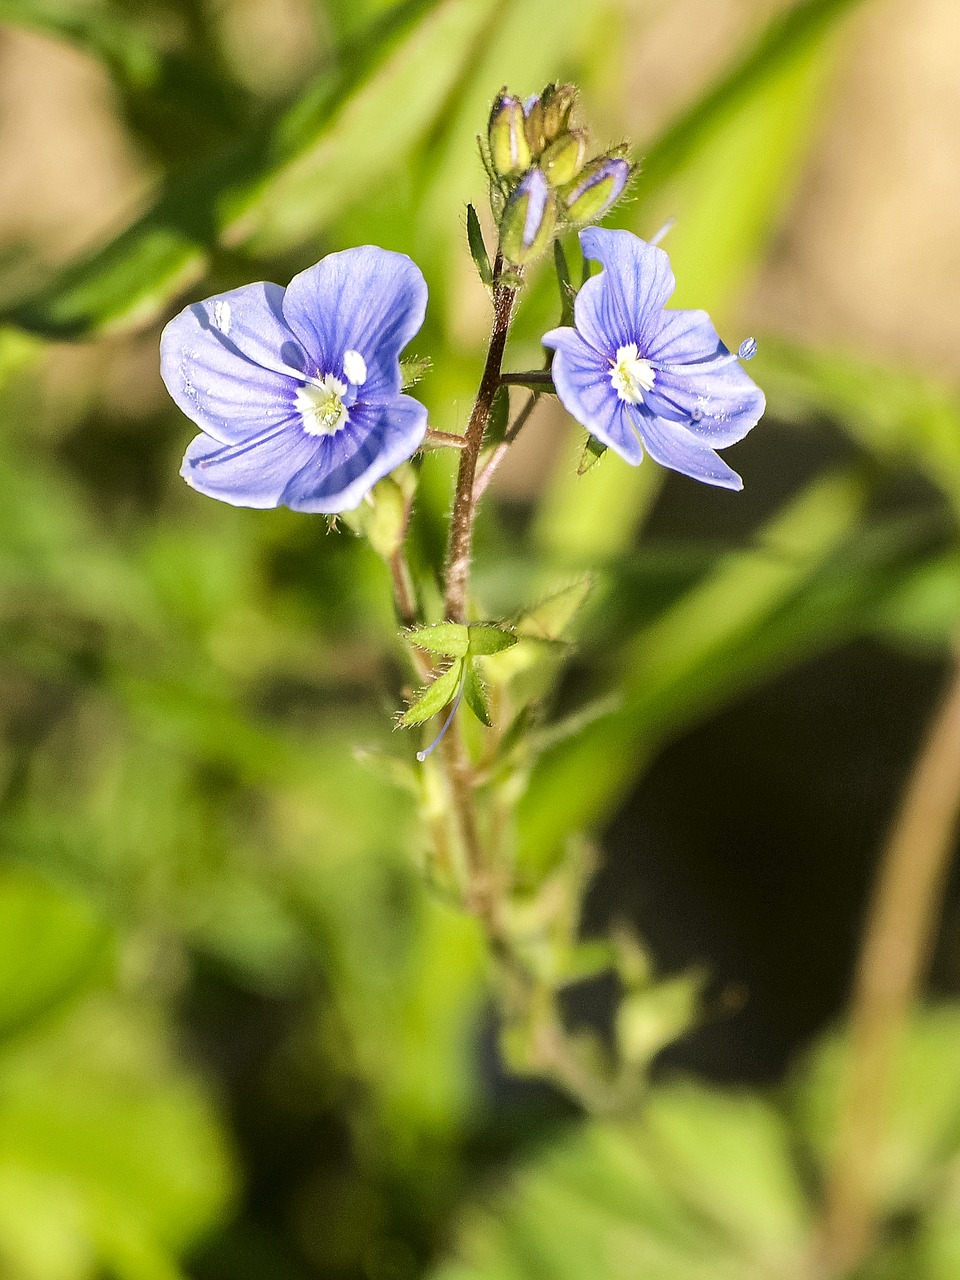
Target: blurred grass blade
x=280 y=188
x=132 y=58
x=904 y=418
x=679 y=665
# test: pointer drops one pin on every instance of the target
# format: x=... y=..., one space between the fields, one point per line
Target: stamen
x=354 y=368
x=664 y=230
x=321 y=407
x=748 y=349
x=422 y=755
x=631 y=375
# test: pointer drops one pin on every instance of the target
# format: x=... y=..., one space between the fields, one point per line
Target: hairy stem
x=899 y=935
x=461 y=525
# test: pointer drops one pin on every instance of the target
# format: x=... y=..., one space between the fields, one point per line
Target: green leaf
x=551 y=618
x=449 y=638
x=567 y=292
x=486 y=638
x=700 y=1187
x=111 y=1156
x=434 y=697
x=52 y=945
x=478 y=250
x=922 y=1133
x=412 y=369
x=474 y=695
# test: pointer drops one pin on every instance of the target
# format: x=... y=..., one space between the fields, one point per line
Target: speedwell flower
x=640 y=377
x=297 y=390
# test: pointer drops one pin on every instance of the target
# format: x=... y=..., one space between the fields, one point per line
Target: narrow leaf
x=486 y=638
x=435 y=697
x=475 y=696
x=448 y=638
x=478 y=250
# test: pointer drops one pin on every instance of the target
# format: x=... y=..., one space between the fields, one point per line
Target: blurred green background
x=238 y=1037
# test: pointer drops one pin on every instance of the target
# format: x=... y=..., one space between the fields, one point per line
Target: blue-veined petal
x=623 y=303
x=377 y=438
x=673 y=446
x=254 y=473
x=231 y=362
x=582 y=379
x=367 y=300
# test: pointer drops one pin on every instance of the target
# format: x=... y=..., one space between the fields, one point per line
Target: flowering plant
x=299 y=396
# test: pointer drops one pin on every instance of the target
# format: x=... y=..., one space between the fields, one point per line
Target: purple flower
x=640 y=377
x=297 y=390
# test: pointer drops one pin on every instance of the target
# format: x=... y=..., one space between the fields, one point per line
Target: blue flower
x=640 y=377
x=297 y=390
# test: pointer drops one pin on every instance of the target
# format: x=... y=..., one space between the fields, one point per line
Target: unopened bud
x=509 y=149
x=533 y=124
x=529 y=219
x=557 y=103
x=563 y=159
x=600 y=183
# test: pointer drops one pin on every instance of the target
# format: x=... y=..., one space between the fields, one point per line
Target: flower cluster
x=298 y=391
x=541 y=180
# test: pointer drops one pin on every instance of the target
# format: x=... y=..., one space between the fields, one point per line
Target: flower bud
x=557 y=103
x=563 y=159
x=509 y=149
x=600 y=183
x=533 y=124
x=529 y=219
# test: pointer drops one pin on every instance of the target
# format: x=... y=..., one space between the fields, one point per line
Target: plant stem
x=899 y=936
x=461 y=525
x=540 y=378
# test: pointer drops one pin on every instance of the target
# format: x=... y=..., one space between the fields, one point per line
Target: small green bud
x=557 y=101
x=563 y=159
x=529 y=220
x=383 y=517
x=506 y=136
x=598 y=185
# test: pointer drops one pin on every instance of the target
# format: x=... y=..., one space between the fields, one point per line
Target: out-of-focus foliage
x=709 y=1185
x=238 y=1035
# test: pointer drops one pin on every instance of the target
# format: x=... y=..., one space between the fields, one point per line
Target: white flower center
x=631 y=375
x=320 y=405
x=354 y=368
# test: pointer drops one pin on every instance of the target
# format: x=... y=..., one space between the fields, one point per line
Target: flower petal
x=675 y=447
x=582 y=379
x=254 y=473
x=622 y=304
x=378 y=437
x=719 y=404
x=368 y=300
x=231 y=363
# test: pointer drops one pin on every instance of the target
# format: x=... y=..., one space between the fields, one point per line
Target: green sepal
x=412 y=370
x=435 y=697
x=487 y=638
x=593 y=451
x=448 y=638
x=567 y=292
x=478 y=250
x=474 y=695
